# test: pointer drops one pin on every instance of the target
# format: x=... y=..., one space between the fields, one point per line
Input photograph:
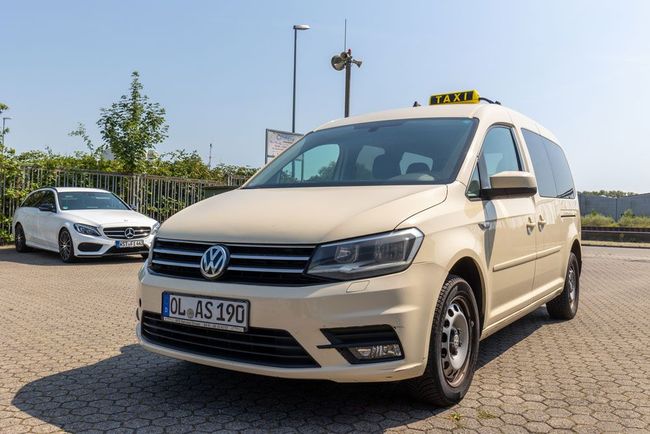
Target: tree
x=133 y=126
x=3 y=107
x=81 y=132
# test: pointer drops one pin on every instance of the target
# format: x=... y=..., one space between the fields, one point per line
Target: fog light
x=376 y=352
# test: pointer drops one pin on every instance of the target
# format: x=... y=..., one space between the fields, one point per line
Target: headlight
x=87 y=229
x=154 y=228
x=368 y=256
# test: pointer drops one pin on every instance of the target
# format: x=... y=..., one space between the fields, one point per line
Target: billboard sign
x=277 y=142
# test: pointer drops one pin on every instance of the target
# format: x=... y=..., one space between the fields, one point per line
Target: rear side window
x=541 y=164
x=551 y=167
x=561 y=170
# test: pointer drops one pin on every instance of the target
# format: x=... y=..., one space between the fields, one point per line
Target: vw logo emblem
x=214 y=262
x=129 y=233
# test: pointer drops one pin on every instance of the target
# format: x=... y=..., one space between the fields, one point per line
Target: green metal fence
x=156 y=196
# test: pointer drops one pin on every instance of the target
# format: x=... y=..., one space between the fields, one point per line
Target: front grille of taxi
x=249 y=263
x=260 y=346
x=119 y=233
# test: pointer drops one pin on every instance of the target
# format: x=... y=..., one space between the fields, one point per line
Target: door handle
x=541 y=222
x=530 y=226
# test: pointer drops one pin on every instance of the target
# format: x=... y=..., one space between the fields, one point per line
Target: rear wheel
x=66 y=248
x=453 y=348
x=565 y=305
x=20 y=240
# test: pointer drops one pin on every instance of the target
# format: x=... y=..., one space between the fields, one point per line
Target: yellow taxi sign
x=464 y=97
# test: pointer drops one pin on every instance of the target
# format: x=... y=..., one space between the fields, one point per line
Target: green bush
x=180 y=164
x=629 y=220
x=596 y=219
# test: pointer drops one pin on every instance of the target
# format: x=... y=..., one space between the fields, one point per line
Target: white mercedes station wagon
x=81 y=222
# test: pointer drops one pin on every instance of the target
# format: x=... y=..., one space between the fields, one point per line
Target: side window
x=33 y=199
x=474 y=188
x=499 y=153
x=561 y=170
x=541 y=164
x=48 y=198
x=315 y=165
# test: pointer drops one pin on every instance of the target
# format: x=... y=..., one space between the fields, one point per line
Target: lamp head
x=301 y=27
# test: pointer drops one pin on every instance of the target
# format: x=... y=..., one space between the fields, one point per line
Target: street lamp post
x=295 y=46
x=4 y=119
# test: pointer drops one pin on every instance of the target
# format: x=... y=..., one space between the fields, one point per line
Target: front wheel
x=20 y=240
x=565 y=305
x=66 y=248
x=453 y=348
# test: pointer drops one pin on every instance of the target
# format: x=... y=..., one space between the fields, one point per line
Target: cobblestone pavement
x=69 y=361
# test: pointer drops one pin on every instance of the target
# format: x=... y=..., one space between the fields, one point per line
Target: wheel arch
x=467 y=268
x=576 y=249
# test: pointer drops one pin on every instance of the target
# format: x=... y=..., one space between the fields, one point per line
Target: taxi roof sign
x=463 y=97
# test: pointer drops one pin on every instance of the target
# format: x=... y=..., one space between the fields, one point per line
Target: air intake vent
x=259 y=346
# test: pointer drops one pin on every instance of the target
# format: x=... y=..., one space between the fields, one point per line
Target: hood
x=109 y=217
x=305 y=215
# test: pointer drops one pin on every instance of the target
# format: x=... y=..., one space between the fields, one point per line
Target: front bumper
x=404 y=301
x=103 y=246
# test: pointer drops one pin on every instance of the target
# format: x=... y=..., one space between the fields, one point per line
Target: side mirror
x=46 y=207
x=509 y=184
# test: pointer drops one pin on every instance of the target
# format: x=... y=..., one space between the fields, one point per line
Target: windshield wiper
x=567 y=193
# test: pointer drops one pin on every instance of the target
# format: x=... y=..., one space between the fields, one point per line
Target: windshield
x=90 y=200
x=406 y=151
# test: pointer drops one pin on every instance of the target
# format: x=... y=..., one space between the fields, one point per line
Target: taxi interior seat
x=418 y=168
x=385 y=167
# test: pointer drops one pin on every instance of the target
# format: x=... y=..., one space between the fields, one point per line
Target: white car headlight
x=87 y=229
x=370 y=256
x=154 y=228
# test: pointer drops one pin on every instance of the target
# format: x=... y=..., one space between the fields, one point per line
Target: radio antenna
x=345 y=35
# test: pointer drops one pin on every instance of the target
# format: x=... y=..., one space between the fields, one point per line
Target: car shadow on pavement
x=43 y=257
x=140 y=390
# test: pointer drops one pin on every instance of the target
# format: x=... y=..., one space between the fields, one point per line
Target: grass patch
x=484 y=414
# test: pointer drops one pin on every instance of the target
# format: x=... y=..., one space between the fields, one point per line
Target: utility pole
x=345 y=61
x=210 y=158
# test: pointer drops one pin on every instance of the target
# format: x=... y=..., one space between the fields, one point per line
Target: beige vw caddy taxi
x=380 y=247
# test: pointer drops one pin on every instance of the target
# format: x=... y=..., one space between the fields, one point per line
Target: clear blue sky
x=223 y=69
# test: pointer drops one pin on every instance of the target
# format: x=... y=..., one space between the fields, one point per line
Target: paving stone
x=70 y=362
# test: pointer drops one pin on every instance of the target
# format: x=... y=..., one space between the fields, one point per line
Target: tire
x=19 y=239
x=565 y=305
x=452 y=356
x=66 y=247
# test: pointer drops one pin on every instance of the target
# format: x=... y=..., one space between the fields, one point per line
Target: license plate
x=211 y=312
x=125 y=244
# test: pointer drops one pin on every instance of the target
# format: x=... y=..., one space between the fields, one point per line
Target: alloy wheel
x=65 y=245
x=20 y=238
